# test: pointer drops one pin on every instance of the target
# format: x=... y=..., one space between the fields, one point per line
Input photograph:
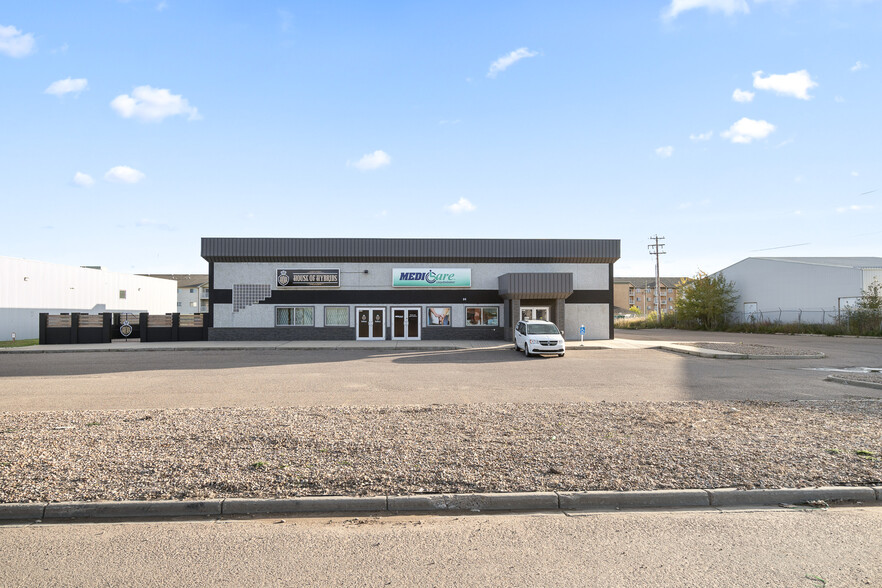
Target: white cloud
x=372 y=161
x=728 y=7
x=855 y=174
x=123 y=174
x=449 y=122
x=796 y=84
x=15 y=44
x=854 y=208
x=740 y=95
x=664 y=152
x=746 y=130
x=859 y=66
x=506 y=61
x=701 y=136
x=162 y=6
x=153 y=104
x=838 y=99
x=68 y=86
x=84 y=180
x=461 y=205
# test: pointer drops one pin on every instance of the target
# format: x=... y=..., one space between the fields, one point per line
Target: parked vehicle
x=539 y=338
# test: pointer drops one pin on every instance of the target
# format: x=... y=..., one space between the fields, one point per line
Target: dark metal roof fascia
x=536 y=285
x=226 y=249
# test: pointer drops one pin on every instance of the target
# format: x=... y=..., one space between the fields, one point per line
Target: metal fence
x=815 y=316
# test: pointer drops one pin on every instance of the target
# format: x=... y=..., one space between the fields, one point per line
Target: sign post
x=582 y=333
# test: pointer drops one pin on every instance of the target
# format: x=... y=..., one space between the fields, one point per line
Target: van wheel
x=527 y=351
x=560 y=354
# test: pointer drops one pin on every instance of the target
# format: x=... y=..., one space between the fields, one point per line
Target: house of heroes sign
x=308 y=278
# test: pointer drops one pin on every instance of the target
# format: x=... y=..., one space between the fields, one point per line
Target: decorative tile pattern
x=248 y=294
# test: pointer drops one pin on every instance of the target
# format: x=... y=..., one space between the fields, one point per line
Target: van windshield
x=542 y=330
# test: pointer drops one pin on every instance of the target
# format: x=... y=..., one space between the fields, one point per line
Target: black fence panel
x=62 y=329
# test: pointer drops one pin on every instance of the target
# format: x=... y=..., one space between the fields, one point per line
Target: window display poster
x=438 y=316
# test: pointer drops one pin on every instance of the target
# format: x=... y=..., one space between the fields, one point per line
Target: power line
x=782 y=247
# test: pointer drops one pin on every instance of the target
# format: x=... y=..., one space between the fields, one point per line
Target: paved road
x=777 y=547
x=81 y=381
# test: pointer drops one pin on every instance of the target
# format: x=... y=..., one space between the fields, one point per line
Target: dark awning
x=522 y=286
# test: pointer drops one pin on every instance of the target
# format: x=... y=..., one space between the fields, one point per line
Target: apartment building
x=642 y=293
x=192 y=291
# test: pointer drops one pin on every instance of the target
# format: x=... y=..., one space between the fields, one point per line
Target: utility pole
x=656 y=249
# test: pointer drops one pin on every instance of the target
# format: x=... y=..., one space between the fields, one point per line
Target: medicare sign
x=436 y=277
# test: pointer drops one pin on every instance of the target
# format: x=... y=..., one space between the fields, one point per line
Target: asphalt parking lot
x=267 y=378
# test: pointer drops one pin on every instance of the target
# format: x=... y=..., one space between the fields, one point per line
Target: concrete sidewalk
x=413 y=345
x=125 y=346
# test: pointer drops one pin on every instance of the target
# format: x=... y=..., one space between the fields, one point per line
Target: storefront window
x=298 y=316
x=487 y=316
x=336 y=316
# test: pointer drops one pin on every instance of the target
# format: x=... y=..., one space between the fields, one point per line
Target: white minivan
x=539 y=337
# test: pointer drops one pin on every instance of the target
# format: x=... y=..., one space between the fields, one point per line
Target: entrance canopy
x=535 y=285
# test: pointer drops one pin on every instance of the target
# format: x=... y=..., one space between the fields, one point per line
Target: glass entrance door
x=535 y=313
x=371 y=324
x=406 y=323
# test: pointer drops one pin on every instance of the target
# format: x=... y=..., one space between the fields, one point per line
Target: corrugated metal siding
x=536 y=285
x=223 y=249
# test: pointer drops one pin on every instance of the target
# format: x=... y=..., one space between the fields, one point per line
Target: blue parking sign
x=582 y=330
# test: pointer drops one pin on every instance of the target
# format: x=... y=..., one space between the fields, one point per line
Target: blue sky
x=733 y=128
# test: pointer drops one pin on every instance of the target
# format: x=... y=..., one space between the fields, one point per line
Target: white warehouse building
x=29 y=287
x=800 y=289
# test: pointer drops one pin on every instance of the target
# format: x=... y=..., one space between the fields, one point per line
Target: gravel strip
x=751 y=349
x=287 y=452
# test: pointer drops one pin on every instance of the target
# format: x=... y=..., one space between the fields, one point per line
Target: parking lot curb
x=859 y=383
x=635 y=499
x=435 y=503
x=712 y=354
x=22 y=511
x=475 y=502
x=735 y=497
x=698 y=352
x=311 y=504
x=132 y=509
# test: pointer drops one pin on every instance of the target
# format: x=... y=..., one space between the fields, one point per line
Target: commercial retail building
x=400 y=289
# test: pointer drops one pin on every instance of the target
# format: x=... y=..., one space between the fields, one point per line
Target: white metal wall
x=28 y=287
x=871 y=275
x=792 y=286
